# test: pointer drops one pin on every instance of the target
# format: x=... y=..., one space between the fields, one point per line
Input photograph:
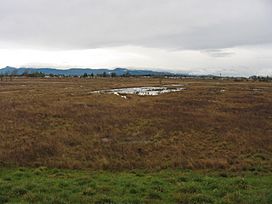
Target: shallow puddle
x=144 y=91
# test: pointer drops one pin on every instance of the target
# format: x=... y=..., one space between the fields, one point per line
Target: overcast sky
x=232 y=37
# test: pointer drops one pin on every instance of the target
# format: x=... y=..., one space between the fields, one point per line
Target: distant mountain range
x=80 y=71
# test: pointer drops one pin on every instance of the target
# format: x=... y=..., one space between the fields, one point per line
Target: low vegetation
x=42 y=185
x=60 y=123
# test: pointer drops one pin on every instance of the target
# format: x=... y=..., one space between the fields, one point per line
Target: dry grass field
x=212 y=124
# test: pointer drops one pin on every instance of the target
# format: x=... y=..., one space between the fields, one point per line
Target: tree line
x=9 y=75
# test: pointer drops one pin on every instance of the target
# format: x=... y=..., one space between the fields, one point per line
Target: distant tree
x=261 y=78
x=85 y=75
x=14 y=72
x=92 y=75
x=104 y=74
x=7 y=73
x=26 y=72
x=113 y=74
x=36 y=74
x=127 y=74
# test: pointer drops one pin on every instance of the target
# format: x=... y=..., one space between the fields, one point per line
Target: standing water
x=143 y=91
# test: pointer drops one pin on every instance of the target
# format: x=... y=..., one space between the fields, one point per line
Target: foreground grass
x=44 y=185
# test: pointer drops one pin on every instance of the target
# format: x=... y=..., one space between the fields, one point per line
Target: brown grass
x=59 y=123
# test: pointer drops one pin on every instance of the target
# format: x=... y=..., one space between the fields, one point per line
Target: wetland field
x=135 y=140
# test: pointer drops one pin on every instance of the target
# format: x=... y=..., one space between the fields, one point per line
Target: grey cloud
x=218 y=53
x=175 y=24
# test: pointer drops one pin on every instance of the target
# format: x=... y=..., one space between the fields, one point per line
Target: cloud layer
x=175 y=24
x=181 y=34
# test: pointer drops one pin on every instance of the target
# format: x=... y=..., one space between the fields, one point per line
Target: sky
x=231 y=37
